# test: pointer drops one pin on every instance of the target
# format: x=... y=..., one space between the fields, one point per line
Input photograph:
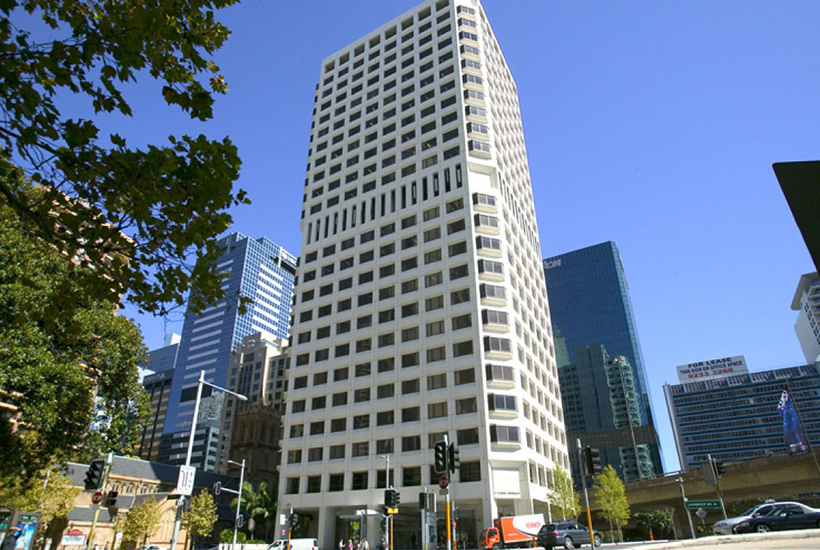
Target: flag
x=793 y=432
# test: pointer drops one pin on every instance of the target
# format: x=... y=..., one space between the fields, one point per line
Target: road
x=808 y=539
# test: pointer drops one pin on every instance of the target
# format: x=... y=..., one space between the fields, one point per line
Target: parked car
x=568 y=534
x=726 y=526
x=781 y=518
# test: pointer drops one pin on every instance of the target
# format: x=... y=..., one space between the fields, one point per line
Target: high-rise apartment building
x=590 y=306
x=421 y=309
x=254 y=268
x=159 y=373
x=807 y=327
x=736 y=418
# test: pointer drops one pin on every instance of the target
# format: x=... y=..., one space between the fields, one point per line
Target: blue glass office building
x=590 y=306
x=255 y=268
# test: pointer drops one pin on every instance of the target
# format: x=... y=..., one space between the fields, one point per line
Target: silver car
x=726 y=526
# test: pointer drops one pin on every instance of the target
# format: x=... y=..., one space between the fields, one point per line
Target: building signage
x=549 y=264
x=710 y=370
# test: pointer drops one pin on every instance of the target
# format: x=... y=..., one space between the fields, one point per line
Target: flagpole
x=800 y=419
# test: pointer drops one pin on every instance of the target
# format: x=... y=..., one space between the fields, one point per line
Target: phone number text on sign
x=715 y=368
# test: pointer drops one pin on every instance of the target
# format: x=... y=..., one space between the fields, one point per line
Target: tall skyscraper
x=590 y=306
x=421 y=307
x=254 y=268
x=807 y=327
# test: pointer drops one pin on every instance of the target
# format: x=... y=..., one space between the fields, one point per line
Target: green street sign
x=706 y=504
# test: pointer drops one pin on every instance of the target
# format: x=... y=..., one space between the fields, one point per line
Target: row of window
x=359 y=480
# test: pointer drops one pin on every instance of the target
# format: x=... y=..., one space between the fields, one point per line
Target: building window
x=295 y=456
x=360 y=449
x=464 y=376
x=384 y=446
x=413 y=414
x=411 y=476
x=336 y=483
x=315 y=454
x=470 y=471
x=338 y=451
x=385 y=418
x=500 y=402
x=504 y=434
x=466 y=406
x=411 y=443
x=467 y=436
x=461 y=349
x=436 y=354
x=410 y=386
x=359 y=479
x=437 y=410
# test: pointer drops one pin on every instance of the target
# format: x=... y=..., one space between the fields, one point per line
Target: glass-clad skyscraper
x=255 y=268
x=590 y=306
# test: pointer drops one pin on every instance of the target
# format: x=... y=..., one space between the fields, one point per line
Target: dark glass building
x=595 y=332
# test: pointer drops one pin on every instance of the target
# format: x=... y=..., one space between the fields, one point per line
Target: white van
x=295 y=544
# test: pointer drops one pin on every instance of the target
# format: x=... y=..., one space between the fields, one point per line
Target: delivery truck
x=512 y=532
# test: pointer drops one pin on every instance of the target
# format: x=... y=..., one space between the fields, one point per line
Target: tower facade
x=807 y=326
x=590 y=306
x=254 y=268
x=421 y=309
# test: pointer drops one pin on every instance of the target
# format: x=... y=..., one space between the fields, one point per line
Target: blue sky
x=653 y=124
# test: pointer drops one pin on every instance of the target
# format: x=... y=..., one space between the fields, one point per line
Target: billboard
x=712 y=369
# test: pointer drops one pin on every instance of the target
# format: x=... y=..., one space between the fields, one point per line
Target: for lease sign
x=714 y=368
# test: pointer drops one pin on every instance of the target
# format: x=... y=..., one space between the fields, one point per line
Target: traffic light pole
x=586 y=493
x=717 y=484
x=108 y=463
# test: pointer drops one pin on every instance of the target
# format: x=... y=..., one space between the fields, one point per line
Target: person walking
x=10 y=541
x=341 y=544
x=349 y=544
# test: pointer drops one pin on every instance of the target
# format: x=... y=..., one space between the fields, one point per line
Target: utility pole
x=586 y=493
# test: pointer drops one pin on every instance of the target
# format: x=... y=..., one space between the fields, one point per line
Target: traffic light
x=440 y=462
x=719 y=468
x=294 y=520
x=396 y=498
x=94 y=475
x=453 y=461
x=456 y=513
x=422 y=501
x=389 y=498
x=111 y=499
x=592 y=461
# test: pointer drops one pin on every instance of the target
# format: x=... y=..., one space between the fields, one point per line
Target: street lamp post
x=685 y=509
x=201 y=382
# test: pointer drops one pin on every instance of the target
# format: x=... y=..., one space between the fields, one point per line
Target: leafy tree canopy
x=610 y=496
x=137 y=216
x=200 y=519
x=141 y=521
x=54 y=500
x=65 y=373
x=563 y=498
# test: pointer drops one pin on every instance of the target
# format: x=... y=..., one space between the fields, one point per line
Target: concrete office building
x=255 y=268
x=736 y=418
x=590 y=306
x=807 y=327
x=421 y=309
x=252 y=430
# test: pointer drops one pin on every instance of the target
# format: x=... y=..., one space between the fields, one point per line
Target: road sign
x=670 y=511
x=707 y=504
x=96 y=498
x=185 y=483
x=443 y=482
x=392 y=511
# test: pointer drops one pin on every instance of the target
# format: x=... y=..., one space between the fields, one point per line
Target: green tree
x=562 y=497
x=258 y=505
x=73 y=378
x=141 y=521
x=610 y=496
x=146 y=212
x=226 y=536
x=52 y=500
x=200 y=519
x=657 y=521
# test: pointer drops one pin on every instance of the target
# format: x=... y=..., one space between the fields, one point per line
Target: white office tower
x=421 y=308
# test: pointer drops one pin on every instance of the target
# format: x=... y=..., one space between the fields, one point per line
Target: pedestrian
x=349 y=544
x=10 y=541
x=365 y=544
x=341 y=544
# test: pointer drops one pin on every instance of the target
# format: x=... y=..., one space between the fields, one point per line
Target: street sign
x=443 y=482
x=185 y=483
x=707 y=504
x=96 y=498
x=392 y=511
x=217 y=487
x=74 y=537
x=670 y=511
